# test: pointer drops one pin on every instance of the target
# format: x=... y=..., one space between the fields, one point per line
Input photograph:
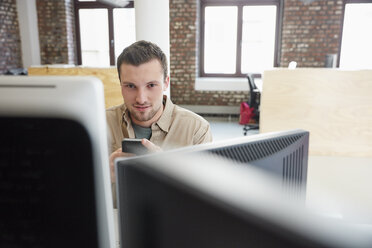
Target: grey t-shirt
x=142 y=132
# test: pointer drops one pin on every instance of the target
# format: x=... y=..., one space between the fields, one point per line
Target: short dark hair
x=142 y=52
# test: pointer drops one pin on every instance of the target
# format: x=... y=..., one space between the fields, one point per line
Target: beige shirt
x=177 y=127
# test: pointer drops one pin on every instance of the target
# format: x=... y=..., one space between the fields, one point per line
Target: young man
x=147 y=113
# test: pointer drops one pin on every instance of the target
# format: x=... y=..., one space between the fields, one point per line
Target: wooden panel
x=108 y=76
x=110 y=79
x=45 y=70
x=334 y=105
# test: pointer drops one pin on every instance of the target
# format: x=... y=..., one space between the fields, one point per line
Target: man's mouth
x=141 y=108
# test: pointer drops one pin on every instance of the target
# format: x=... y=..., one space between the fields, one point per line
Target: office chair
x=254 y=102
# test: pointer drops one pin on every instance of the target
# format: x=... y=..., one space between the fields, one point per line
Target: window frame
x=240 y=4
x=97 y=5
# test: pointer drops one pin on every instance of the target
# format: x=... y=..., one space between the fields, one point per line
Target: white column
x=152 y=24
x=29 y=33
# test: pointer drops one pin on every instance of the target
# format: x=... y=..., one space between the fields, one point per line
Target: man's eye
x=151 y=85
x=130 y=86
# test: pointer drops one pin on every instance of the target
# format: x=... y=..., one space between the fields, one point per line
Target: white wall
x=29 y=33
x=152 y=24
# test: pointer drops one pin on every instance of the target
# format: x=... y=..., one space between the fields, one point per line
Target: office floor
x=226 y=127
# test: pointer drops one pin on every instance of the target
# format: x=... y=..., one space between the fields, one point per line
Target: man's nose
x=141 y=96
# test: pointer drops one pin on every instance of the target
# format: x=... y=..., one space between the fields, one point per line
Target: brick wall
x=10 y=42
x=310 y=31
x=56 y=31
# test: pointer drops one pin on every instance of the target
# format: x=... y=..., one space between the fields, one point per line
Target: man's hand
x=150 y=146
x=118 y=153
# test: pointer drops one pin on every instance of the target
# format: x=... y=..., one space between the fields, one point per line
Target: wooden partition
x=108 y=76
x=334 y=105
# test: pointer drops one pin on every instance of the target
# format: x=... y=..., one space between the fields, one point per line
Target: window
x=356 y=49
x=243 y=41
x=124 y=29
x=94 y=35
x=102 y=32
x=220 y=39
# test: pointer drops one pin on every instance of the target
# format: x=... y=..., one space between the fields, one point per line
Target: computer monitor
x=198 y=200
x=54 y=174
x=283 y=153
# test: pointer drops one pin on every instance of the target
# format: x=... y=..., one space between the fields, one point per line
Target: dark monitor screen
x=47 y=189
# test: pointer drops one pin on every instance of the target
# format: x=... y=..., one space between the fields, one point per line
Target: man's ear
x=166 y=83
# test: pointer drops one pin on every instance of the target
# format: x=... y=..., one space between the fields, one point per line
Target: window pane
x=124 y=29
x=258 y=38
x=220 y=36
x=356 y=48
x=94 y=37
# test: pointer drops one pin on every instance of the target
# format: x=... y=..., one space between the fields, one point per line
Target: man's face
x=142 y=89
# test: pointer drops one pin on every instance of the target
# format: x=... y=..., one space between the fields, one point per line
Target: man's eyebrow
x=152 y=82
x=149 y=82
x=125 y=82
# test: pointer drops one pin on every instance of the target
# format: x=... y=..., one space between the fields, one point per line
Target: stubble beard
x=144 y=116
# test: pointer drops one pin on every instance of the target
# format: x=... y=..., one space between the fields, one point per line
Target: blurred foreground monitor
x=54 y=177
x=200 y=200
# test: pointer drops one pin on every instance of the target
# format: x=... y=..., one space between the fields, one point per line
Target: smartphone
x=133 y=146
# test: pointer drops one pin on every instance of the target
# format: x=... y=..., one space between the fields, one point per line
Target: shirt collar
x=165 y=119
x=125 y=117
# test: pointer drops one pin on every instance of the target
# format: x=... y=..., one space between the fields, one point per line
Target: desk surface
x=116 y=223
x=341 y=187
